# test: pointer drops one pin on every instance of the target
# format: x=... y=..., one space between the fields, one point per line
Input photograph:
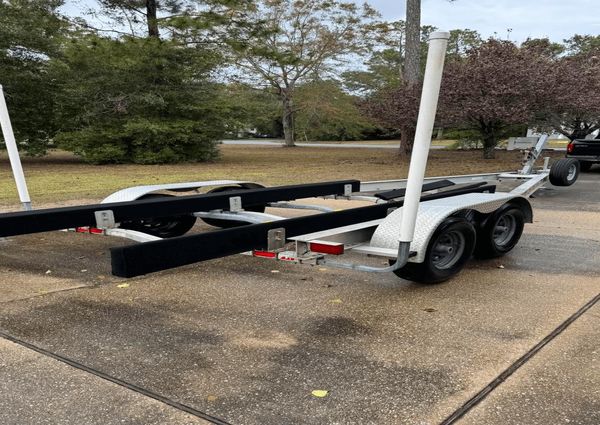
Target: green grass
x=61 y=178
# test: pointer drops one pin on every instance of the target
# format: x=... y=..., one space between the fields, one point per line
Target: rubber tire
x=559 y=172
x=585 y=166
x=426 y=272
x=226 y=224
x=486 y=247
x=163 y=227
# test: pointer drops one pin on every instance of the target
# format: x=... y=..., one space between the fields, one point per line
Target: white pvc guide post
x=438 y=42
x=13 y=153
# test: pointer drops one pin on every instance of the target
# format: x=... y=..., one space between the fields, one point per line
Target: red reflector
x=264 y=254
x=570 y=148
x=96 y=231
x=327 y=248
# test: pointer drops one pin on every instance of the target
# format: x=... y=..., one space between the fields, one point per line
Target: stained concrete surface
x=561 y=385
x=38 y=390
x=247 y=340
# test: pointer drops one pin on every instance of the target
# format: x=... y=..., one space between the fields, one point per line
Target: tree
x=570 y=107
x=396 y=108
x=141 y=17
x=30 y=33
x=543 y=47
x=382 y=71
x=582 y=44
x=461 y=41
x=298 y=39
x=137 y=100
x=493 y=89
x=326 y=112
x=253 y=112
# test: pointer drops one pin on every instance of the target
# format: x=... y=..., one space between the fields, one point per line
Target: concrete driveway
x=246 y=341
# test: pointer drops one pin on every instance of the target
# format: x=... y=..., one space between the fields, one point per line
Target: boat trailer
x=426 y=228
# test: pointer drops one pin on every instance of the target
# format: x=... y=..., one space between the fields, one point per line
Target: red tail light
x=570 y=147
x=92 y=230
x=264 y=254
x=327 y=248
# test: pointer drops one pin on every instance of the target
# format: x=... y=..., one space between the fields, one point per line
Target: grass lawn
x=62 y=178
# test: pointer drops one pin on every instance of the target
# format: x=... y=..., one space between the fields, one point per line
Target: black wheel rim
x=448 y=249
x=505 y=230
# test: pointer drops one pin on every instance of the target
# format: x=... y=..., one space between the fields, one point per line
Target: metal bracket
x=275 y=239
x=347 y=189
x=105 y=219
x=235 y=203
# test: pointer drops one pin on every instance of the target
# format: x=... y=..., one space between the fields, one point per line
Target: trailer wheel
x=449 y=248
x=585 y=166
x=564 y=172
x=163 y=227
x=225 y=224
x=500 y=232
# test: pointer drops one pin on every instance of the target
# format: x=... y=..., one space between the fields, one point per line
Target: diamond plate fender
x=136 y=192
x=431 y=214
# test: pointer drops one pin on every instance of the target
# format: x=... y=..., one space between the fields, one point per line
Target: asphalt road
x=273 y=142
x=246 y=341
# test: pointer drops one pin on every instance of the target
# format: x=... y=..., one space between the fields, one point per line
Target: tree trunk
x=412 y=61
x=151 y=19
x=489 y=145
x=440 y=133
x=407 y=139
x=288 y=120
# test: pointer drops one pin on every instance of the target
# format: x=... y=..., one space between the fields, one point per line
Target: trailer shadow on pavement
x=246 y=341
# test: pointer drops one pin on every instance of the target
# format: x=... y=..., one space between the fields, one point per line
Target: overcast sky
x=556 y=19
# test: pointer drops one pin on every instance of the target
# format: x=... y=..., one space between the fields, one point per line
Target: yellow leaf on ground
x=320 y=393
x=123 y=285
x=335 y=301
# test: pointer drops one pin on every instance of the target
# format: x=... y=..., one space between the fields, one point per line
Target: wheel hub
x=505 y=229
x=448 y=249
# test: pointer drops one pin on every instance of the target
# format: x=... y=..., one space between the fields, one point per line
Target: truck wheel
x=564 y=172
x=500 y=232
x=225 y=224
x=163 y=227
x=585 y=165
x=449 y=248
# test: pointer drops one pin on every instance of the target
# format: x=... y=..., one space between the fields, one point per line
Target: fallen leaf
x=335 y=301
x=320 y=393
x=322 y=269
x=211 y=398
x=123 y=285
x=429 y=310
